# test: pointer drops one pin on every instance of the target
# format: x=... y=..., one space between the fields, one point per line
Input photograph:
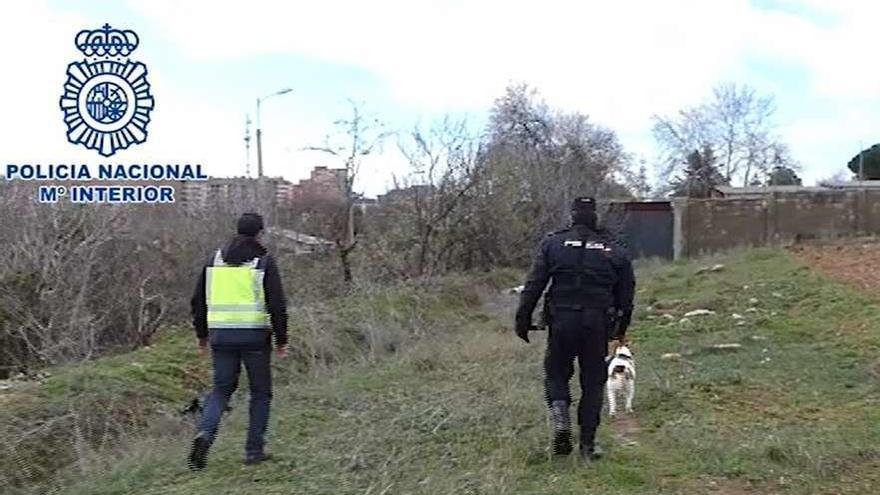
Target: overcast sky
x=414 y=61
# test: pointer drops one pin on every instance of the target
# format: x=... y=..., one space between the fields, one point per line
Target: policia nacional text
x=156 y=172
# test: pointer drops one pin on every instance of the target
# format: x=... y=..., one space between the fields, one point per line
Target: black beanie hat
x=583 y=211
x=250 y=224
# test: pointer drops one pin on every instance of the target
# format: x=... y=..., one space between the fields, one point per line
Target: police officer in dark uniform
x=589 y=303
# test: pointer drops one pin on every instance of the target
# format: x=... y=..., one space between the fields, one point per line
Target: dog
x=621 y=379
x=196 y=407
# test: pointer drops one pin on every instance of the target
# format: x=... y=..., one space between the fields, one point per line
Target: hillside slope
x=459 y=410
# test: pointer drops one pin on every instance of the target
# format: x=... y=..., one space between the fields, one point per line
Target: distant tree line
x=82 y=281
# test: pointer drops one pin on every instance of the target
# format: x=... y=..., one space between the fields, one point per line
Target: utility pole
x=260 y=130
x=247 y=144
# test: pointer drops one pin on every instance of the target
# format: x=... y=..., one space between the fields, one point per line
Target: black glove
x=619 y=324
x=613 y=323
x=522 y=330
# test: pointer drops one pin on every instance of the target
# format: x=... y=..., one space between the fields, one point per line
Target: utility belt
x=579 y=300
x=551 y=306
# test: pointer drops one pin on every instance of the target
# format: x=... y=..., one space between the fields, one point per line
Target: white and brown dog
x=621 y=379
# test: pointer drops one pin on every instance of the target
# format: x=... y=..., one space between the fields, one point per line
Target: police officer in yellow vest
x=237 y=306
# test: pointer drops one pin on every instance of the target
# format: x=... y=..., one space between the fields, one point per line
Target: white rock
x=667 y=316
x=717 y=268
x=740 y=323
x=776 y=294
x=727 y=346
x=699 y=312
x=752 y=310
x=684 y=321
x=753 y=300
x=737 y=316
x=671 y=355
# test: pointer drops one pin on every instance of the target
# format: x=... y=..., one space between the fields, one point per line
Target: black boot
x=198 y=454
x=257 y=458
x=589 y=452
x=561 y=427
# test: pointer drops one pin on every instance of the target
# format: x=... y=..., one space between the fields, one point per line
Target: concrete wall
x=703 y=226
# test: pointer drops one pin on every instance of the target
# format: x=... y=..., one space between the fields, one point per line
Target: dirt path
x=625 y=430
x=856 y=262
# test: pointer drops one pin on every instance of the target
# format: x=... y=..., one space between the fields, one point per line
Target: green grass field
x=459 y=409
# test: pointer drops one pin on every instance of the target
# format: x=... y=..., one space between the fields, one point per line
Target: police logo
x=106 y=100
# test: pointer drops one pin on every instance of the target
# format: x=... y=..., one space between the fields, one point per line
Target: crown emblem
x=106 y=100
x=107 y=42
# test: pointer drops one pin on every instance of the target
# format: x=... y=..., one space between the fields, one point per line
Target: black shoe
x=561 y=427
x=257 y=458
x=590 y=453
x=198 y=454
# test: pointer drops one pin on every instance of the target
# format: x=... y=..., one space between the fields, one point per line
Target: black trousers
x=582 y=335
x=227 y=366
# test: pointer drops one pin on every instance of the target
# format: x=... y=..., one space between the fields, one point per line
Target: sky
x=413 y=62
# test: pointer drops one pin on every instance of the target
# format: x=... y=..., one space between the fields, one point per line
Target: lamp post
x=260 y=129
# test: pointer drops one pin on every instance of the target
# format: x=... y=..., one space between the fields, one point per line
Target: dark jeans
x=227 y=365
x=583 y=335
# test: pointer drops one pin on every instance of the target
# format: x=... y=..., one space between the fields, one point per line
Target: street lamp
x=260 y=129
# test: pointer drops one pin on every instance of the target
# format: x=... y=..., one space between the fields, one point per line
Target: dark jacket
x=587 y=270
x=239 y=249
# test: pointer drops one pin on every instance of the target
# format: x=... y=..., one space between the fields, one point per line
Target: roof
x=648 y=205
x=299 y=237
x=856 y=184
x=761 y=190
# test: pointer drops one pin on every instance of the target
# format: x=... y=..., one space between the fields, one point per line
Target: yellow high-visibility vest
x=234 y=295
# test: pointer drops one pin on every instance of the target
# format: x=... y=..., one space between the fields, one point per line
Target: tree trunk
x=347 y=246
x=346 y=266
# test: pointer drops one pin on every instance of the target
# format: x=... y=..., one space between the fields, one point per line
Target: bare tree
x=361 y=136
x=737 y=123
x=538 y=160
x=444 y=169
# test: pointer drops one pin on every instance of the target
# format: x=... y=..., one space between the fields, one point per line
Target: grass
x=457 y=406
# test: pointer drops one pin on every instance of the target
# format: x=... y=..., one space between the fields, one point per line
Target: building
x=266 y=194
x=323 y=183
x=405 y=193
